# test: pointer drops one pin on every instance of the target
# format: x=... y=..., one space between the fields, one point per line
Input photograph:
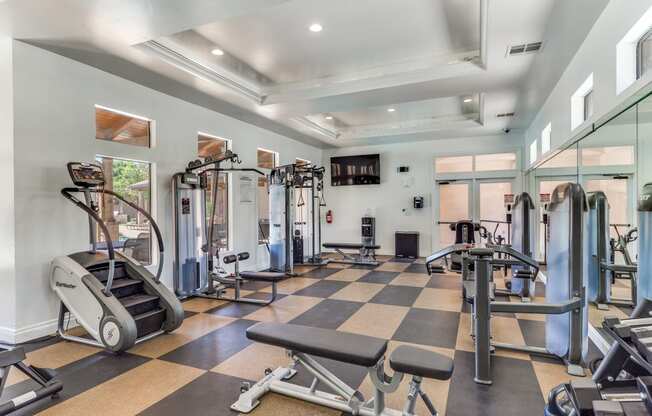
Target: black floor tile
x=209 y=394
x=238 y=310
x=213 y=348
x=188 y=314
x=416 y=268
x=366 y=266
x=397 y=295
x=320 y=273
x=322 y=289
x=429 y=327
x=378 y=277
x=534 y=332
x=254 y=285
x=401 y=260
x=78 y=377
x=514 y=392
x=438 y=281
x=329 y=314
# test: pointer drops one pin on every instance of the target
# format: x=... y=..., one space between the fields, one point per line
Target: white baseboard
x=31 y=332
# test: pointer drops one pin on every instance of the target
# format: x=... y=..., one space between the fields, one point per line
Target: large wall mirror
x=612 y=159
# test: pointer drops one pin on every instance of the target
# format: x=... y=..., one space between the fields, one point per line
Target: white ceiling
x=420 y=57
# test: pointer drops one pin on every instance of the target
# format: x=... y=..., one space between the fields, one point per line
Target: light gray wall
x=7 y=249
x=596 y=55
x=55 y=123
x=388 y=200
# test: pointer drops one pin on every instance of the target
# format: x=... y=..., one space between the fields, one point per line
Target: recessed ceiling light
x=316 y=27
x=391 y=110
x=217 y=52
x=468 y=100
x=328 y=117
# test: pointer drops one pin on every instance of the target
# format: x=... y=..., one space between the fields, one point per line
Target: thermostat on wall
x=403 y=169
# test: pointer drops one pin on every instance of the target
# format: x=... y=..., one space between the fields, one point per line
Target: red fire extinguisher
x=329 y=217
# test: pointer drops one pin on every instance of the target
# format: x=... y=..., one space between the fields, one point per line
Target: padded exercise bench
x=303 y=342
x=239 y=277
x=366 y=253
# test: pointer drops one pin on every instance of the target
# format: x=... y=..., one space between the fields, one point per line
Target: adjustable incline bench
x=366 y=253
x=303 y=342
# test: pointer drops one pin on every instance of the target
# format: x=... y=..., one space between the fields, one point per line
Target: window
x=208 y=145
x=564 y=159
x=266 y=159
x=545 y=139
x=129 y=229
x=633 y=52
x=608 y=156
x=496 y=161
x=116 y=126
x=644 y=54
x=588 y=105
x=454 y=164
x=533 y=152
x=582 y=103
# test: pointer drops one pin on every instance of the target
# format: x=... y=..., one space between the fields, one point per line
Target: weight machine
x=296 y=195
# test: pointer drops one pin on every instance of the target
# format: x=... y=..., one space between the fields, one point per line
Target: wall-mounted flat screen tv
x=355 y=170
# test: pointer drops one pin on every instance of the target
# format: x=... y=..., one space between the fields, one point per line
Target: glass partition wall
x=614 y=157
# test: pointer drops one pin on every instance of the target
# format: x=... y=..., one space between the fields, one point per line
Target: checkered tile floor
x=197 y=370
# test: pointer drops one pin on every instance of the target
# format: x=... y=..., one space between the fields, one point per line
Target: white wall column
x=7 y=217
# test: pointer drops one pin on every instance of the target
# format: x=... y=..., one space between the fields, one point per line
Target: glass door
x=455 y=202
x=491 y=210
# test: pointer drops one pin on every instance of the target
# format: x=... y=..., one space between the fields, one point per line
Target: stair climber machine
x=112 y=296
x=602 y=267
x=197 y=239
x=565 y=304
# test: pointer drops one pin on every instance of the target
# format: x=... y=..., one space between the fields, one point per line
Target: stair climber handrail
x=152 y=223
x=66 y=192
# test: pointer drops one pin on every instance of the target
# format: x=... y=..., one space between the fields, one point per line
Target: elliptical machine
x=111 y=295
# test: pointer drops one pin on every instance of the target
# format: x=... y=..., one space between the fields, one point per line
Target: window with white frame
x=582 y=103
x=129 y=229
x=644 y=54
x=545 y=139
x=533 y=152
x=120 y=127
x=475 y=163
x=265 y=160
x=208 y=145
x=634 y=52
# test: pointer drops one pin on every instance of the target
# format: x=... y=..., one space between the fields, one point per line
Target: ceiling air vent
x=505 y=114
x=523 y=48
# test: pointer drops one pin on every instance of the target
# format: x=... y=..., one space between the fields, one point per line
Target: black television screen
x=355 y=170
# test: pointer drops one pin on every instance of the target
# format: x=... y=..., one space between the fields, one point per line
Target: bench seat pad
x=327 y=343
x=263 y=276
x=419 y=362
x=351 y=246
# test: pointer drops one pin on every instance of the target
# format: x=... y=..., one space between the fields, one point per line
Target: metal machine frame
x=574 y=306
x=602 y=268
x=346 y=399
x=284 y=182
x=205 y=281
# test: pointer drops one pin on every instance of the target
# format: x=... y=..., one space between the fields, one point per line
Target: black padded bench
x=303 y=343
x=366 y=255
x=239 y=277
